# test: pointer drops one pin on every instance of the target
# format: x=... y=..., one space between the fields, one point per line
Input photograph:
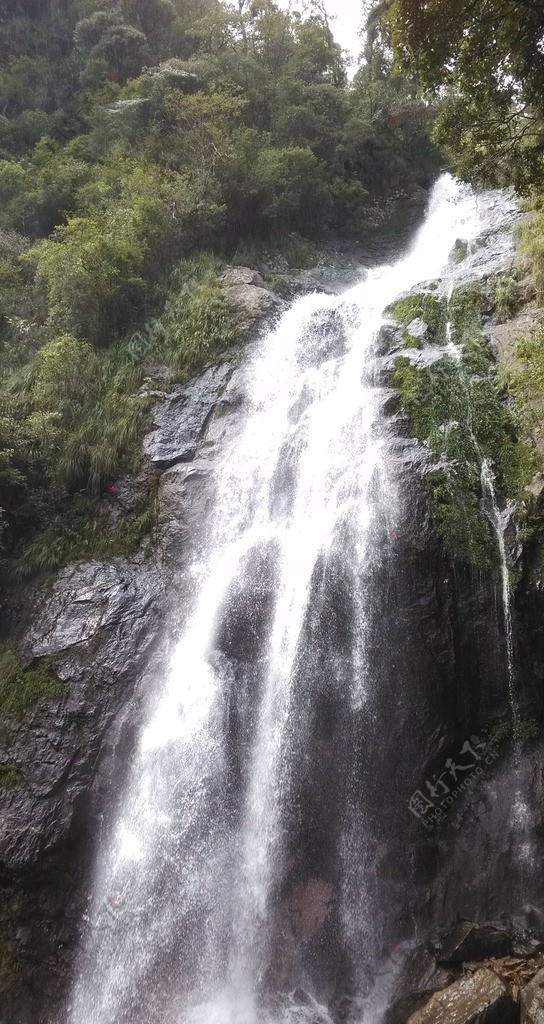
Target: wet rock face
x=326 y=338
x=494 y=251
x=98 y=622
x=471 y=941
x=103 y=629
x=494 y=988
x=181 y=417
x=98 y=625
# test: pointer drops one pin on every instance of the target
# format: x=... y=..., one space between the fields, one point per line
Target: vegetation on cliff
x=481 y=66
x=134 y=136
x=456 y=405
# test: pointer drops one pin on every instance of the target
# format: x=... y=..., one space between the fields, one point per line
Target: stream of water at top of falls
x=187 y=884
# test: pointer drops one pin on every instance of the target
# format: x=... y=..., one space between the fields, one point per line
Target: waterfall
x=184 y=918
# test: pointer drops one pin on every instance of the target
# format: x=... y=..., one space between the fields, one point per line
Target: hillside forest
x=144 y=144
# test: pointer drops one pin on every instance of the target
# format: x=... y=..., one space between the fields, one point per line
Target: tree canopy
x=486 y=60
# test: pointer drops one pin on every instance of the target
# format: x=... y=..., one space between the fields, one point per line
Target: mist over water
x=184 y=917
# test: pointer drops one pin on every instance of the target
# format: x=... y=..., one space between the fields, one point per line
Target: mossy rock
x=463 y=419
x=423 y=306
x=459 y=251
x=22 y=688
x=11 y=776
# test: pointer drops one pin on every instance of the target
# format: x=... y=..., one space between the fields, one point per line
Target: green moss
x=462 y=527
x=463 y=419
x=499 y=734
x=465 y=310
x=526 y=730
x=10 y=775
x=459 y=251
x=523 y=731
x=22 y=688
x=430 y=308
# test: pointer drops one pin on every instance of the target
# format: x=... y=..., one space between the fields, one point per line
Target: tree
x=201 y=128
x=317 y=57
x=291 y=187
x=109 y=45
x=489 y=57
x=92 y=274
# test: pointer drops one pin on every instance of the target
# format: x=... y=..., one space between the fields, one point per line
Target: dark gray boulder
x=471 y=941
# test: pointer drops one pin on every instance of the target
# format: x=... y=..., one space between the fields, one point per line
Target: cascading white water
x=186 y=887
x=521 y=814
x=499 y=521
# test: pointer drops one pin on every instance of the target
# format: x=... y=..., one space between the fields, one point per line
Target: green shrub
x=196 y=325
x=84 y=532
x=532 y=243
x=465 y=310
x=506 y=297
x=92 y=274
x=527 y=384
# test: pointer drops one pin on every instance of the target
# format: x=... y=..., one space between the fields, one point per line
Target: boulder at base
x=470 y=941
x=532 y=1001
x=480 y=998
